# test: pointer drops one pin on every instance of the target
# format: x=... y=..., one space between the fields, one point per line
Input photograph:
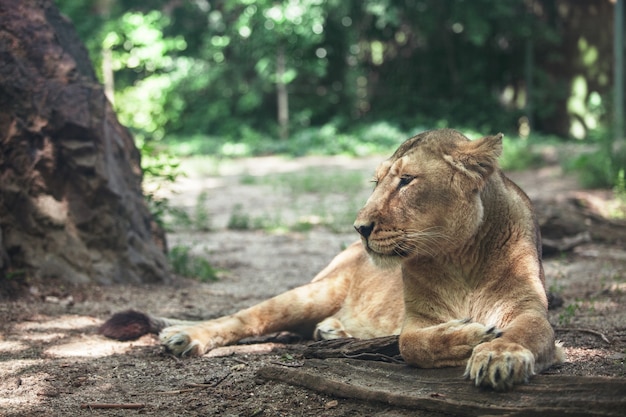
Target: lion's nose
x=364 y=229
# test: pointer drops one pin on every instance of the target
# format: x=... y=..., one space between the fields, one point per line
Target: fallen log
x=445 y=391
x=383 y=349
x=568 y=222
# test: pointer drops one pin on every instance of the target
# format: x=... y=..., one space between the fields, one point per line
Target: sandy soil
x=53 y=363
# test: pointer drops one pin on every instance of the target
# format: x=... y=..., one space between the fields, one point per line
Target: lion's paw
x=180 y=340
x=471 y=333
x=500 y=365
x=329 y=329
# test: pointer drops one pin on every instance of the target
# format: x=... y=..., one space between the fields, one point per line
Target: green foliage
x=160 y=170
x=569 y=313
x=592 y=168
x=188 y=265
x=367 y=139
x=239 y=220
x=158 y=163
x=600 y=165
x=202 y=76
x=527 y=153
x=620 y=195
x=210 y=68
x=519 y=154
x=202 y=217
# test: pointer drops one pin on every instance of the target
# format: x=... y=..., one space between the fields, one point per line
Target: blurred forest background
x=253 y=77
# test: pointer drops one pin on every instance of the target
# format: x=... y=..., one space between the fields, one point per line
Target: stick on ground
x=132 y=406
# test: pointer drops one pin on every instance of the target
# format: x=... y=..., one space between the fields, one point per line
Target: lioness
x=456 y=272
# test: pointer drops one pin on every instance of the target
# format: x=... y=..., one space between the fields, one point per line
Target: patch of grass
x=184 y=263
x=619 y=191
x=569 y=312
x=247 y=179
x=199 y=218
x=593 y=169
x=202 y=217
x=239 y=220
x=160 y=169
x=318 y=196
x=520 y=154
x=15 y=274
x=329 y=139
x=319 y=181
x=601 y=163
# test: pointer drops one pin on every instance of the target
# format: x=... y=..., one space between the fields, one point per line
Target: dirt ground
x=53 y=363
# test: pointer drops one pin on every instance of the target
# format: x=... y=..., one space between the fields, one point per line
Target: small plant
x=593 y=169
x=202 y=217
x=520 y=154
x=569 y=312
x=555 y=289
x=238 y=219
x=160 y=170
x=188 y=265
x=248 y=179
x=15 y=274
x=620 y=195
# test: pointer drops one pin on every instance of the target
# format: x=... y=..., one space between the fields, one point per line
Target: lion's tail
x=132 y=324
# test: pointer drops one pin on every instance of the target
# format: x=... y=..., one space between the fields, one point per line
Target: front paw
x=471 y=333
x=500 y=365
x=180 y=341
x=446 y=344
x=330 y=329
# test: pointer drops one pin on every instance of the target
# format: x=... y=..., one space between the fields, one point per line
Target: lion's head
x=427 y=196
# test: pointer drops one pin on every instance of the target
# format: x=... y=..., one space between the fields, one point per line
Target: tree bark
x=445 y=391
x=282 y=96
x=71 y=204
x=385 y=349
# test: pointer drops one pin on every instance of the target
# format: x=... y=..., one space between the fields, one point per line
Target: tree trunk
x=282 y=96
x=71 y=204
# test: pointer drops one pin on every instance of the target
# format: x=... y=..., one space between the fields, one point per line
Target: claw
x=496 y=332
x=497 y=377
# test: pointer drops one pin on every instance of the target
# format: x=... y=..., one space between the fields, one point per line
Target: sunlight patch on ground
x=12 y=346
x=619 y=288
x=42 y=337
x=15 y=366
x=29 y=389
x=17 y=388
x=67 y=322
x=95 y=347
x=576 y=354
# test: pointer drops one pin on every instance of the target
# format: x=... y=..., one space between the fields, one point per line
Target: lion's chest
x=444 y=294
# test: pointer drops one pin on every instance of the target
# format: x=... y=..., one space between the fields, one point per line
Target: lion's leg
x=447 y=344
x=526 y=346
x=302 y=306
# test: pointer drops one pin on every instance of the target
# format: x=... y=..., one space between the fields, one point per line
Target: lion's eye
x=405 y=180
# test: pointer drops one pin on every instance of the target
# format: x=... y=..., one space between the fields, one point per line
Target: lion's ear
x=477 y=159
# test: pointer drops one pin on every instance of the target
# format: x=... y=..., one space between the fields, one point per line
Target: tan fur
x=466 y=239
x=351 y=297
x=459 y=251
